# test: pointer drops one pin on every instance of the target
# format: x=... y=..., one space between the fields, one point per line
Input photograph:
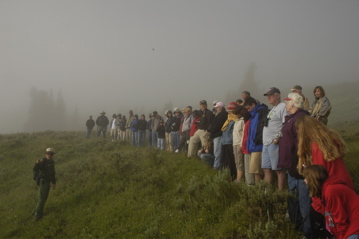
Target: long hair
x=322 y=92
x=315 y=176
x=311 y=131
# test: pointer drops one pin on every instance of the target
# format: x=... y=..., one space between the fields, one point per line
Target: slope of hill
x=113 y=190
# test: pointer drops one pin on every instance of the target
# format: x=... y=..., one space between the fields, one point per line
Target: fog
x=148 y=55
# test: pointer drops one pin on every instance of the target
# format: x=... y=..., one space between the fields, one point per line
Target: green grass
x=112 y=190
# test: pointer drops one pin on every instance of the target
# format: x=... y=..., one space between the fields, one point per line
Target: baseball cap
x=219 y=104
x=296 y=87
x=272 y=91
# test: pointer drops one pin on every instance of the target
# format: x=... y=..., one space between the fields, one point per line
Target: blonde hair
x=311 y=131
x=315 y=176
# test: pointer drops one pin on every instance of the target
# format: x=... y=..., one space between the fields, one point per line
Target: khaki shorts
x=238 y=157
x=255 y=165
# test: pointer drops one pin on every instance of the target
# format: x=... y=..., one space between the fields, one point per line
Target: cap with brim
x=219 y=104
x=272 y=91
x=296 y=87
x=203 y=102
x=50 y=150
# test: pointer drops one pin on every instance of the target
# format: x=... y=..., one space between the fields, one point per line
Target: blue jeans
x=217 y=151
x=141 y=138
x=134 y=138
x=89 y=132
x=299 y=204
x=175 y=140
x=154 y=139
x=207 y=158
x=149 y=138
x=354 y=236
x=161 y=143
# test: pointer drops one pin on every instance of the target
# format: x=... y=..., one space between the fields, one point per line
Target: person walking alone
x=44 y=175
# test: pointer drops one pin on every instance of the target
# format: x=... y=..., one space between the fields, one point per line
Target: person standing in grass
x=102 y=122
x=161 y=135
x=90 y=123
x=44 y=174
x=242 y=115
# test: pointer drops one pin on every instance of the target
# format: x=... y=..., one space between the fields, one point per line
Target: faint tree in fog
x=44 y=112
x=249 y=83
x=60 y=112
x=75 y=122
x=41 y=111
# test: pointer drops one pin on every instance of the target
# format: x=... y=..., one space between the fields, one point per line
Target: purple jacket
x=288 y=144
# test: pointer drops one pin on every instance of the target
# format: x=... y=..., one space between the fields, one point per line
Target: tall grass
x=113 y=190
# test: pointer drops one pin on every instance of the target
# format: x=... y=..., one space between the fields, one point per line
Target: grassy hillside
x=112 y=190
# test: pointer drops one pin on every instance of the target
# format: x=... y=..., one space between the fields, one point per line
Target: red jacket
x=194 y=127
x=340 y=207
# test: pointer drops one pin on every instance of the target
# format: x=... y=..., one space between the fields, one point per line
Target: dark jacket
x=176 y=124
x=218 y=121
x=161 y=131
x=90 y=123
x=123 y=124
x=44 y=169
x=142 y=124
x=102 y=120
x=288 y=144
x=168 y=124
x=206 y=120
x=149 y=125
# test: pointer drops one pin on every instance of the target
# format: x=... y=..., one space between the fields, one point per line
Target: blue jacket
x=255 y=139
x=134 y=126
x=227 y=135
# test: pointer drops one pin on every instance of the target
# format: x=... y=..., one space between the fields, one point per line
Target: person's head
x=161 y=122
x=231 y=107
x=245 y=94
x=90 y=116
x=124 y=117
x=114 y=116
x=239 y=102
x=49 y=153
x=250 y=103
x=102 y=113
x=314 y=177
x=130 y=112
x=135 y=116
x=150 y=116
x=203 y=105
x=143 y=117
x=119 y=116
x=309 y=131
x=273 y=95
x=219 y=107
x=296 y=89
x=169 y=113
x=187 y=111
x=319 y=92
x=215 y=102
x=240 y=112
x=154 y=113
x=293 y=102
x=196 y=114
x=176 y=111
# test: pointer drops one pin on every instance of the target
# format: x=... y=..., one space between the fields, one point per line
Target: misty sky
x=109 y=54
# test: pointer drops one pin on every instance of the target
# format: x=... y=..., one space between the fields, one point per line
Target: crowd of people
x=255 y=142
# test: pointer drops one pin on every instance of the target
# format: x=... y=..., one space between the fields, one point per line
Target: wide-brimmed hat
x=102 y=113
x=219 y=104
x=114 y=115
x=50 y=150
